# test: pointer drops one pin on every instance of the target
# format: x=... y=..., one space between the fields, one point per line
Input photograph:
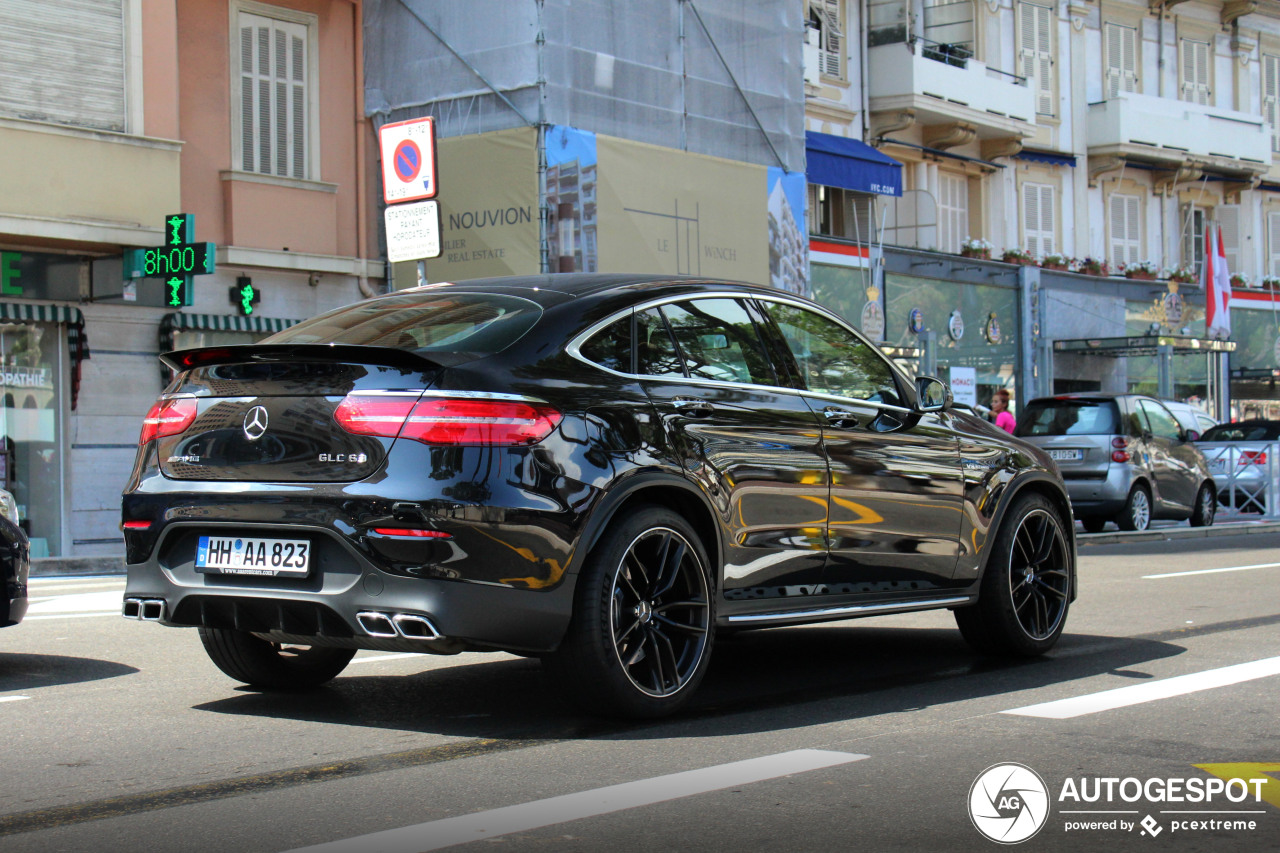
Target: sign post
x=409 y=175
x=176 y=261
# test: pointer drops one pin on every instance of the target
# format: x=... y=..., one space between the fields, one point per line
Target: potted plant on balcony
x=975 y=247
x=1018 y=256
x=1239 y=279
x=1089 y=266
x=1054 y=262
x=1141 y=271
x=1182 y=274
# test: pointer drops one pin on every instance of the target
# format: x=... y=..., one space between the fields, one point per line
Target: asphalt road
x=866 y=735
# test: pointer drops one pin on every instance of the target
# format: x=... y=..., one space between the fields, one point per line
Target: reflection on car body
x=601 y=471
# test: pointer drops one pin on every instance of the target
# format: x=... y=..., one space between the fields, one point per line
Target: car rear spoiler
x=187 y=359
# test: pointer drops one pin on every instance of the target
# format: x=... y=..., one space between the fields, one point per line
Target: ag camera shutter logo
x=1009 y=803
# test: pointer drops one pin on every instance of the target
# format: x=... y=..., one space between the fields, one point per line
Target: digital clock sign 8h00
x=176 y=261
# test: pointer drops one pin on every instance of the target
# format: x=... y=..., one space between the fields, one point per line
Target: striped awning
x=178 y=321
x=39 y=312
x=43 y=312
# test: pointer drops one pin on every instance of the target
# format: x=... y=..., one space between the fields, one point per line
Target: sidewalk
x=1163 y=531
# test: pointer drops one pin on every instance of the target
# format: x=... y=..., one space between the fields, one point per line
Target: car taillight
x=1253 y=457
x=168 y=417
x=447 y=420
x=1119 y=456
x=1120 y=442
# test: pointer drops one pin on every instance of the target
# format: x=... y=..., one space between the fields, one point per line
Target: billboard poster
x=488 y=208
x=666 y=211
x=571 y=200
x=788 y=239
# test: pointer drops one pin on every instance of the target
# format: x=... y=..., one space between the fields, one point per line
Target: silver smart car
x=1124 y=457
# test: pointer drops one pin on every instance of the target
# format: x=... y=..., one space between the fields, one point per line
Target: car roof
x=548 y=289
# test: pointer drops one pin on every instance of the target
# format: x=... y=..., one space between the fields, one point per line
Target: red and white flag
x=1216 y=283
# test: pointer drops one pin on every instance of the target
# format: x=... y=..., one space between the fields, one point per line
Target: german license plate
x=1067 y=455
x=244 y=555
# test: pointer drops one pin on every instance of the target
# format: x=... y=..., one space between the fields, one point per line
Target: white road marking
x=39 y=618
x=447 y=832
x=84 y=602
x=1211 y=571
x=13 y=698
x=1136 y=694
x=393 y=656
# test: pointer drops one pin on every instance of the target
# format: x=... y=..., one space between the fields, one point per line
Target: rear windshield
x=1069 y=417
x=1243 y=432
x=481 y=323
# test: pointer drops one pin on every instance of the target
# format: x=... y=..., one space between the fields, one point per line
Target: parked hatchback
x=601 y=471
x=1242 y=458
x=1124 y=457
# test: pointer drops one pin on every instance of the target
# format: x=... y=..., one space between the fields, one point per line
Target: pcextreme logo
x=1009 y=803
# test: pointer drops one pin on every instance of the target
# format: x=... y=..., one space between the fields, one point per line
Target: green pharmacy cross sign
x=176 y=261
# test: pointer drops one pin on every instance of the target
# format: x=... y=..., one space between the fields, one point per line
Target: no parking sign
x=408 y=160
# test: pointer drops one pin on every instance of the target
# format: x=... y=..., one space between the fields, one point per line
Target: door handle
x=692 y=407
x=840 y=418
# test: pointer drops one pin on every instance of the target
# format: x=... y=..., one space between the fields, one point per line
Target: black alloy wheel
x=272 y=666
x=1026 y=589
x=641 y=634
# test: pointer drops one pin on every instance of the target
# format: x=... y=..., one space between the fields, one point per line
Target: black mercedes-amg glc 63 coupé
x=598 y=470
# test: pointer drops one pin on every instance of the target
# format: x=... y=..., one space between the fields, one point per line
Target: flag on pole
x=1216 y=282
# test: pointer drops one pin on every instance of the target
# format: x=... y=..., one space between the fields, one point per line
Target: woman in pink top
x=1000 y=408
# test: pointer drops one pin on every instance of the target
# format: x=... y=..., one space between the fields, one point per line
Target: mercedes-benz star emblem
x=255 y=423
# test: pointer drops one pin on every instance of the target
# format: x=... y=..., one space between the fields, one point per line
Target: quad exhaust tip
x=410 y=626
x=145 y=609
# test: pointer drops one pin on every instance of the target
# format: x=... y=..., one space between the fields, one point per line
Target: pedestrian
x=1000 y=408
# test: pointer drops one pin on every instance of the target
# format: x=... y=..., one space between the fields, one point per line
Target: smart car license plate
x=243 y=555
x=1066 y=455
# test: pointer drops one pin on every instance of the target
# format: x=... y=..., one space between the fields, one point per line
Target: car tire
x=1093 y=524
x=643 y=625
x=1026 y=587
x=271 y=666
x=1136 y=514
x=1206 y=508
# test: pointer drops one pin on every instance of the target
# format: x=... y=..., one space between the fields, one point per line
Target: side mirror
x=1192 y=435
x=932 y=395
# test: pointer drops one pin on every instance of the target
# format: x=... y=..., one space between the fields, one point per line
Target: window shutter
x=1037 y=219
x=1273 y=243
x=833 y=39
x=63 y=65
x=953 y=211
x=1036 y=53
x=1271 y=97
x=1192 y=221
x=273 y=97
x=1125 y=223
x=1121 y=56
x=1195 y=71
x=1228 y=216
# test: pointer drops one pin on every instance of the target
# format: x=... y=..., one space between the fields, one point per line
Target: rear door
x=753 y=446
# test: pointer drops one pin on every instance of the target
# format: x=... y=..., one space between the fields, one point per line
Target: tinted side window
x=1161 y=423
x=832 y=360
x=655 y=352
x=611 y=346
x=1069 y=417
x=719 y=341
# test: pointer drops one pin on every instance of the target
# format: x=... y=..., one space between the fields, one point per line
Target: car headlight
x=8 y=506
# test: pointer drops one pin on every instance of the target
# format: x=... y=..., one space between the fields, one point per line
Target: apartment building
x=115 y=116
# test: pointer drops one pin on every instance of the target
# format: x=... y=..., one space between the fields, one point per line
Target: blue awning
x=1044 y=157
x=850 y=164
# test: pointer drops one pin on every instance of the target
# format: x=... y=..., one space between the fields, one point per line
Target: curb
x=1231 y=528
x=55 y=567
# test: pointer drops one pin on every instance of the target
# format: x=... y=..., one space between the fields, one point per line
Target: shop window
x=30 y=456
x=834 y=212
x=273 y=135
x=1121 y=57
